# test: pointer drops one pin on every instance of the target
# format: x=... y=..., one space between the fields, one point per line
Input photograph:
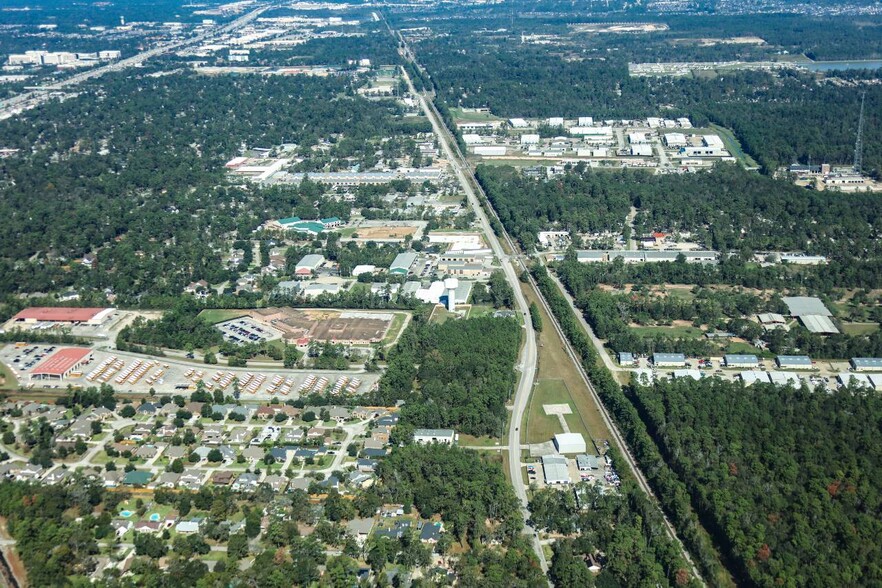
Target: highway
x=34 y=98
x=528 y=356
x=528 y=361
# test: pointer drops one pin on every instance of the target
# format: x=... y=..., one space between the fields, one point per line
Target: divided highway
x=35 y=97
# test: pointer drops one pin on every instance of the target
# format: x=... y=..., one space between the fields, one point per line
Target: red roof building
x=60 y=364
x=63 y=314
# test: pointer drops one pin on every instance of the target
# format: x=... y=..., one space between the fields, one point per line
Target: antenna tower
x=859 y=142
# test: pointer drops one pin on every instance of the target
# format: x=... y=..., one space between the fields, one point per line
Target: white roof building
x=555 y=469
x=569 y=443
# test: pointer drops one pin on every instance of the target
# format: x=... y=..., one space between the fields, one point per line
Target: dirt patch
x=385 y=232
x=328 y=325
x=16 y=566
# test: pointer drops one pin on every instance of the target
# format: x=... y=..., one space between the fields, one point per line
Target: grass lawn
x=860 y=328
x=733 y=146
x=7 y=380
x=440 y=315
x=675 y=332
x=479 y=310
x=484 y=441
x=540 y=426
x=746 y=348
x=460 y=116
x=394 y=330
x=214 y=316
x=555 y=364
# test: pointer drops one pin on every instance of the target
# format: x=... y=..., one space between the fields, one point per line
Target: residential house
x=246 y=482
x=276 y=482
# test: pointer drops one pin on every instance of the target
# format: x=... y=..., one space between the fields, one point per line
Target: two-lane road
x=528 y=352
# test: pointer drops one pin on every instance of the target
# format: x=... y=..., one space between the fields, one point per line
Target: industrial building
x=587 y=463
x=669 y=359
x=601 y=256
x=65 y=315
x=427 y=436
x=794 y=362
x=687 y=373
x=812 y=313
x=675 y=140
x=308 y=264
x=641 y=150
x=738 y=360
x=402 y=263
x=753 y=377
x=626 y=358
x=569 y=443
x=866 y=364
x=62 y=363
x=555 y=469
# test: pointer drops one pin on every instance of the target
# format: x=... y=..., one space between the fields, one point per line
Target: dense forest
x=787 y=480
x=624 y=526
x=458 y=374
x=726 y=209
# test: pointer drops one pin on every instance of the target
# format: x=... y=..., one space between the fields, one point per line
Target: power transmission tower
x=859 y=142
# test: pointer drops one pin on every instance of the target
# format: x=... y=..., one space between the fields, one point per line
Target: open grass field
x=734 y=147
x=541 y=427
x=214 y=316
x=676 y=332
x=395 y=329
x=555 y=364
x=856 y=329
x=460 y=116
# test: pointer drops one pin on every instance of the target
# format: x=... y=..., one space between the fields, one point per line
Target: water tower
x=451 y=284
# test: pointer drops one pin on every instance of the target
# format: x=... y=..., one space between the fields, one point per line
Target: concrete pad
x=557 y=409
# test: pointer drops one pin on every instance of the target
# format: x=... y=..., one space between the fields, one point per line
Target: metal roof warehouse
x=668 y=358
x=62 y=314
x=794 y=361
x=866 y=363
x=61 y=363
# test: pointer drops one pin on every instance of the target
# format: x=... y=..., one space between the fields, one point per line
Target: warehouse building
x=688 y=373
x=794 y=362
x=428 y=436
x=62 y=364
x=63 y=315
x=753 y=377
x=569 y=443
x=675 y=140
x=402 y=263
x=785 y=379
x=626 y=358
x=555 y=469
x=866 y=364
x=308 y=264
x=641 y=150
x=587 y=463
x=857 y=380
x=669 y=359
x=738 y=360
x=812 y=313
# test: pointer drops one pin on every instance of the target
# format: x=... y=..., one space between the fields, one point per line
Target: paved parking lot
x=247 y=330
x=129 y=372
